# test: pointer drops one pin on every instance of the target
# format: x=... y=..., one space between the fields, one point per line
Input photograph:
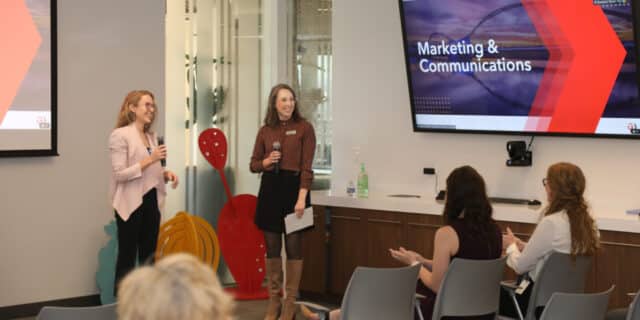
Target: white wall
x=371 y=111
x=53 y=209
x=248 y=92
x=175 y=107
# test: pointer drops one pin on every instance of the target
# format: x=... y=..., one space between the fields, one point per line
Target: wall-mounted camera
x=519 y=154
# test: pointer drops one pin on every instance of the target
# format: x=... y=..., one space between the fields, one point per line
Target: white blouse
x=553 y=233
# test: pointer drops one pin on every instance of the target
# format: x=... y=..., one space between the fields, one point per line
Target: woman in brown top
x=284 y=188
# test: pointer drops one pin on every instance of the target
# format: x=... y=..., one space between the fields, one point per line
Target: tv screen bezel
x=635 y=18
x=53 y=150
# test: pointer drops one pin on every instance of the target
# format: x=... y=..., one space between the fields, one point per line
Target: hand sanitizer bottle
x=363 y=183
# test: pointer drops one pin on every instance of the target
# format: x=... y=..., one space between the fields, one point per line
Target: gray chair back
x=470 y=287
x=104 y=312
x=634 y=308
x=560 y=273
x=583 y=306
x=380 y=294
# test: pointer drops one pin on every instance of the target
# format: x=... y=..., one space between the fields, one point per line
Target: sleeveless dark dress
x=472 y=246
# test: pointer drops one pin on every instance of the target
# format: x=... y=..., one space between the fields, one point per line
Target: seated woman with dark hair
x=469 y=233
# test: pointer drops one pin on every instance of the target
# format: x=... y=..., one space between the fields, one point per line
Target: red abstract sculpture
x=241 y=242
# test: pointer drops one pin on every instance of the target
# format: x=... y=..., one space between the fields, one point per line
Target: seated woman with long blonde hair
x=566 y=227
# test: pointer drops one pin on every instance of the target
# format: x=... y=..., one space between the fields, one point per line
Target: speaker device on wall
x=519 y=154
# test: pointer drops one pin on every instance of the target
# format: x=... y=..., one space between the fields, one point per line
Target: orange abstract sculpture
x=191 y=234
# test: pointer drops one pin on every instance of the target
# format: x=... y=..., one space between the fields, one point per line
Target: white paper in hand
x=292 y=223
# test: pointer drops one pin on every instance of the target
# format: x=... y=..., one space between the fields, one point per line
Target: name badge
x=290 y=132
x=523 y=286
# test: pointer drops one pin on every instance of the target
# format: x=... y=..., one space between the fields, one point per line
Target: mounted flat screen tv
x=552 y=67
x=28 y=78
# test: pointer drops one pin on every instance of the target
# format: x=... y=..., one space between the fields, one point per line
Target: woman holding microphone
x=137 y=181
x=283 y=152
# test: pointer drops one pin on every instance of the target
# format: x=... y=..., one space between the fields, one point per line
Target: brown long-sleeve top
x=297 y=145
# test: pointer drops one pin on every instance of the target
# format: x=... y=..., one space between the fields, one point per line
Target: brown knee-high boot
x=274 y=284
x=292 y=281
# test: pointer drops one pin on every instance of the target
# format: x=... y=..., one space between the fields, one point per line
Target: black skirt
x=277 y=197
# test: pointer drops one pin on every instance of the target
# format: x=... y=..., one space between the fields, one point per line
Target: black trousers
x=138 y=236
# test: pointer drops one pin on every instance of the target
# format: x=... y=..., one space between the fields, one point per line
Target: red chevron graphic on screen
x=19 y=40
x=585 y=58
x=553 y=77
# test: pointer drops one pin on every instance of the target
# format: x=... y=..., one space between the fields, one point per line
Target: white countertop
x=424 y=205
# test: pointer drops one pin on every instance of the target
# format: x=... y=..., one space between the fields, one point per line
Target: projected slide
x=532 y=66
x=27 y=66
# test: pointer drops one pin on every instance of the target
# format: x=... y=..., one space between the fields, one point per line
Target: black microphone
x=163 y=162
x=276 y=147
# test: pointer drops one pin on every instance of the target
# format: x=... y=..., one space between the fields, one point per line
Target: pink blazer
x=128 y=182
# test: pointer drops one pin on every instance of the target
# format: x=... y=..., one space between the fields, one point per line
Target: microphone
x=163 y=162
x=276 y=147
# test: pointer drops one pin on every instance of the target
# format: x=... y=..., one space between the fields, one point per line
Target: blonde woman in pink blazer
x=137 y=181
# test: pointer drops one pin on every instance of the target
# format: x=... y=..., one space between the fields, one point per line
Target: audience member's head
x=466 y=198
x=177 y=287
x=565 y=184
